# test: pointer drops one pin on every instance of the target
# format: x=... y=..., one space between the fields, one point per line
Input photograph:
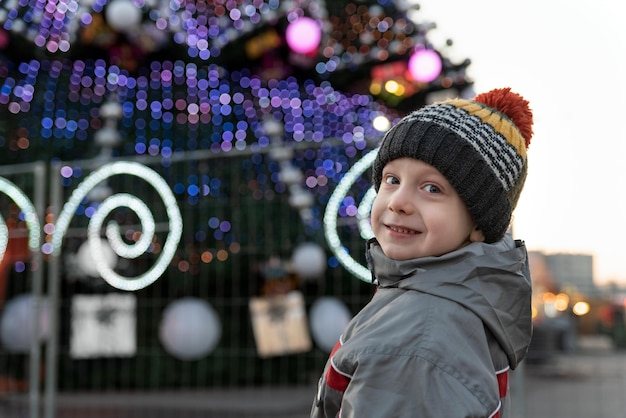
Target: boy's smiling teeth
x=402 y=230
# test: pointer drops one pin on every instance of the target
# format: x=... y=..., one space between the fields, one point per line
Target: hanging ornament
x=87 y=252
x=304 y=35
x=425 y=65
x=123 y=16
x=16 y=326
x=328 y=317
x=309 y=261
x=190 y=328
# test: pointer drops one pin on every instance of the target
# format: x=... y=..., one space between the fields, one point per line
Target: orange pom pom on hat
x=479 y=145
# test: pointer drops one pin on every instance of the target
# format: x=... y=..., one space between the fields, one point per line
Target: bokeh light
x=425 y=65
x=304 y=35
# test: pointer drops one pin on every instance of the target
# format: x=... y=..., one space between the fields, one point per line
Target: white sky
x=568 y=58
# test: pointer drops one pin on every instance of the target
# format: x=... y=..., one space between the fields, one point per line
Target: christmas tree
x=170 y=63
x=251 y=110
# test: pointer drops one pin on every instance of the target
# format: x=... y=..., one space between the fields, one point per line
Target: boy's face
x=417 y=213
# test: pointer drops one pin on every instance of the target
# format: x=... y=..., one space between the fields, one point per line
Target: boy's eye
x=431 y=188
x=392 y=180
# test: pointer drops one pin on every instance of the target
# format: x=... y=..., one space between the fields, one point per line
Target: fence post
x=37 y=291
x=53 y=301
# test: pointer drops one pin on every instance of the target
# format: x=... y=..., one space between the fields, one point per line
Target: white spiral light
x=112 y=230
x=30 y=216
x=332 y=209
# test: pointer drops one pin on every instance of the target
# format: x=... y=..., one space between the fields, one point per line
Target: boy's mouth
x=402 y=230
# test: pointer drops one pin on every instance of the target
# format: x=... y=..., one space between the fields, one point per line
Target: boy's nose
x=401 y=202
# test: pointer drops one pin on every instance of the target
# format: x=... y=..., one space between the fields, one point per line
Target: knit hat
x=479 y=145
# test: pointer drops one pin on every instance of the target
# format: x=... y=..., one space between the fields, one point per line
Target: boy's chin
x=399 y=253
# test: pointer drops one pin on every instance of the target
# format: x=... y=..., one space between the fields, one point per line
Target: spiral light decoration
x=363 y=211
x=113 y=232
x=30 y=217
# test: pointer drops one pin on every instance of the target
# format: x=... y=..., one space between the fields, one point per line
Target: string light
x=330 y=217
x=30 y=217
x=173 y=213
x=363 y=212
x=170 y=107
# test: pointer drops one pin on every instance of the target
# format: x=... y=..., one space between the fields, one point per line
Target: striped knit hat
x=479 y=145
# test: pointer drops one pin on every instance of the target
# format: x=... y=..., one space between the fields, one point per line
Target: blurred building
x=564 y=271
x=573 y=270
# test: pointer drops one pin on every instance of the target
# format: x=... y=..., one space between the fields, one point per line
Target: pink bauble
x=304 y=35
x=425 y=65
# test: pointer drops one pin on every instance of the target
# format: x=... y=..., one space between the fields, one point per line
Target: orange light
x=222 y=255
x=375 y=88
x=561 y=302
x=581 y=308
x=534 y=312
x=393 y=87
x=206 y=257
x=549 y=297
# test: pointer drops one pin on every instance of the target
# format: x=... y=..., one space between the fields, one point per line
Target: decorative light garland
x=363 y=214
x=30 y=217
x=218 y=111
x=330 y=217
x=142 y=211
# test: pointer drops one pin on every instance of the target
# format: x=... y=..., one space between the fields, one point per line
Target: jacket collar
x=491 y=280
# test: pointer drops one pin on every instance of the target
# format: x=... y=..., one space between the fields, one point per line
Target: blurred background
x=184 y=199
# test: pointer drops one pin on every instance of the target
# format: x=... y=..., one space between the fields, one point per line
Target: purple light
x=66 y=171
x=46 y=248
x=425 y=65
x=303 y=35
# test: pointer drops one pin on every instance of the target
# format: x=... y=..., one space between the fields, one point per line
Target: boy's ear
x=477 y=235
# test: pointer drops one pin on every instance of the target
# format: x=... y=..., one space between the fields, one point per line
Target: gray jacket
x=436 y=340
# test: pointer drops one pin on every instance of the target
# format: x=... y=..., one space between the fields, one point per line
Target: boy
x=452 y=312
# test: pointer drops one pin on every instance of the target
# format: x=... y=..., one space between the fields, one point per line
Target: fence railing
x=129 y=247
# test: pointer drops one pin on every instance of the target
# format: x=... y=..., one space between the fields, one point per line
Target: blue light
x=192 y=190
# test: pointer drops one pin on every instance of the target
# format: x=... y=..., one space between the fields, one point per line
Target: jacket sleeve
x=409 y=386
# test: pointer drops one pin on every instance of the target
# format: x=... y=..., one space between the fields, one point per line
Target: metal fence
x=241 y=299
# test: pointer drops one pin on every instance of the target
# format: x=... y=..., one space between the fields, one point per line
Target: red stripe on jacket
x=338 y=381
x=334 y=378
